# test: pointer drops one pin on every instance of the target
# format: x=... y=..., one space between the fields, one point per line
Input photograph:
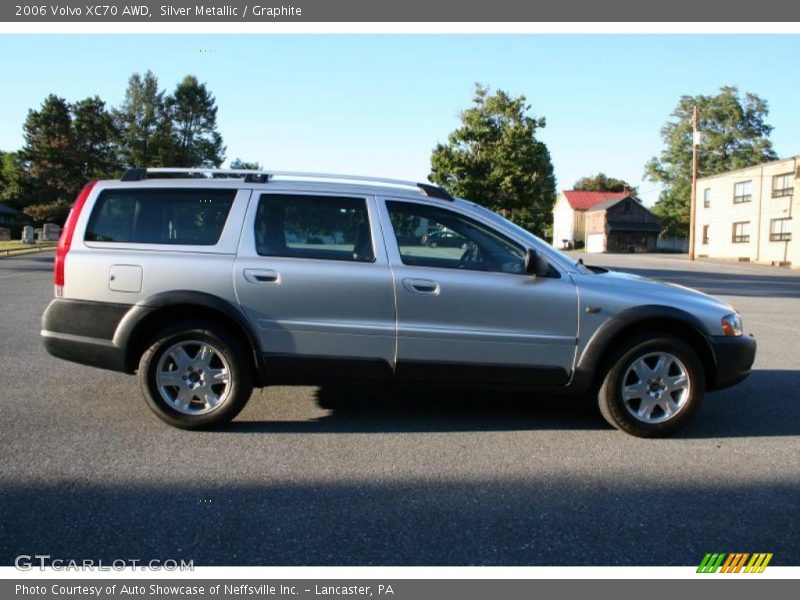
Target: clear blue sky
x=377 y=104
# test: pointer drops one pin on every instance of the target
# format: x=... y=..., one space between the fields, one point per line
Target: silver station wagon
x=208 y=283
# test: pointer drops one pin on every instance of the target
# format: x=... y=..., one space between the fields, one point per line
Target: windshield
x=534 y=240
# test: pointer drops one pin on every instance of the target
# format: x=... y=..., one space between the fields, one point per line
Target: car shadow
x=764 y=405
x=360 y=407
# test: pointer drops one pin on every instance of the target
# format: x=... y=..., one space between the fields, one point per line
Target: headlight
x=732 y=324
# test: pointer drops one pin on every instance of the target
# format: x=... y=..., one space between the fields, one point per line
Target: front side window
x=429 y=236
x=783 y=185
x=780 y=230
x=160 y=216
x=741 y=232
x=743 y=192
x=317 y=227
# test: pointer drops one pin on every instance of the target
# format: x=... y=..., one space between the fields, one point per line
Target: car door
x=467 y=311
x=312 y=275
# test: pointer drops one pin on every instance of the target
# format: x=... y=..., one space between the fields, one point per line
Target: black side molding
x=309 y=370
x=535 y=376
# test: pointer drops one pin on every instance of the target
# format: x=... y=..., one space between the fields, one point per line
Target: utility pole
x=693 y=209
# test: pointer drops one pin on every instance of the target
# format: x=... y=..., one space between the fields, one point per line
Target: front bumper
x=733 y=359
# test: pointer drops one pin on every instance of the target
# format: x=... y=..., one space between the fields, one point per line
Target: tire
x=652 y=386
x=196 y=375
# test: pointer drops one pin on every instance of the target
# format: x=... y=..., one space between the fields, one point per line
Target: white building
x=746 y=214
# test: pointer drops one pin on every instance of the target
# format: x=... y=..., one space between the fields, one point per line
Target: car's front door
x=312 y=275
x=467 y=311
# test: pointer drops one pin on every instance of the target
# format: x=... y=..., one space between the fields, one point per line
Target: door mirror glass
x=536 y=264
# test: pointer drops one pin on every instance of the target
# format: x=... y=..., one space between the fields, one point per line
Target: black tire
x=648 y=347
x=226 y=347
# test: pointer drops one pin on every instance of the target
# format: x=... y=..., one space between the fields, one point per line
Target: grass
x=16 y=247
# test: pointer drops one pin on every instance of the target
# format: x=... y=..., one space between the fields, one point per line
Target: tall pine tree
x=193 y=111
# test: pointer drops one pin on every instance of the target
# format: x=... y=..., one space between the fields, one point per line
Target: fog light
x=732 y=324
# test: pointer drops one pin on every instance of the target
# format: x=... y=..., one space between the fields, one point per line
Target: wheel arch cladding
x=633 y=321
x=146 y=318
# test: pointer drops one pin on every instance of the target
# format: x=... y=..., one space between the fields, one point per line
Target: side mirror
x=536 y=264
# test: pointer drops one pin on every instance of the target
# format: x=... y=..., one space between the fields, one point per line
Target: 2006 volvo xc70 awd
x=209 y=283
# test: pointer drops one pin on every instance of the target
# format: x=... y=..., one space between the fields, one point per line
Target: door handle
x=261 y=276
x=421 y=286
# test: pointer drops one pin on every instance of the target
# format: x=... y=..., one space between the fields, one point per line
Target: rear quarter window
x=153 y=216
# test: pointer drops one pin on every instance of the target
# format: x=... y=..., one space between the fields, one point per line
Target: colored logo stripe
x=758 y=563
x=733 y=562
x=711 y=562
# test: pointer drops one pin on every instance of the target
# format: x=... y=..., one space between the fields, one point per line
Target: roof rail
x=259 y=176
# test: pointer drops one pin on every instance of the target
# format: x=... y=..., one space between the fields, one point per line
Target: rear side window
x=321 y=227
x=168 y=216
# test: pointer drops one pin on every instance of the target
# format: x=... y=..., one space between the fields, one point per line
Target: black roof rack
x=258 y=176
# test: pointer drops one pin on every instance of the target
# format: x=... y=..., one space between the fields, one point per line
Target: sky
x=378 y=104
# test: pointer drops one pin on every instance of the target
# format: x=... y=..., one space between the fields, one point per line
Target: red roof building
x=579 y=200
x=569 y=215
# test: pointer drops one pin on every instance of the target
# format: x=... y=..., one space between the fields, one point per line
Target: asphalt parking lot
x=355 y=476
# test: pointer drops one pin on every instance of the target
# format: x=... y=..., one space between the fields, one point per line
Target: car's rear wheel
x=195 y=375
x=652 y=386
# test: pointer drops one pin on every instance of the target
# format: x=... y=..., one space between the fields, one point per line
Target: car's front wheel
x=653 y=385
x=195 y=375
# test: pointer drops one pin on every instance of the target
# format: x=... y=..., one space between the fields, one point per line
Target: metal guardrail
x=28 y=248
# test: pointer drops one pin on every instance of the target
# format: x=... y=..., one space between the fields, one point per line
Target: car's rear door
x=313 y=277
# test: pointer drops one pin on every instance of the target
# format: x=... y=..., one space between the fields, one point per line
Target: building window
x=783 y=185
x=741 y=232
x=705 y=235
x=707 y=198
x=780 y=230
x=743 y=192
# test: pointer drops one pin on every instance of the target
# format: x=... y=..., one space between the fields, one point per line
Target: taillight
x=65 y=241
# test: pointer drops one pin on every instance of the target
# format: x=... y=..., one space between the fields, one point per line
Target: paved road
x=356 y=476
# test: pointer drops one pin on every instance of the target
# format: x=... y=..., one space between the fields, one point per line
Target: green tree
x=193 y=111
x=49 y=160
x=143 y=124
x=94 y=133
x=495 y=159
x=238 y=163
x=735 y=135
x=14 y=182
x=65 y=146
x=603 y=183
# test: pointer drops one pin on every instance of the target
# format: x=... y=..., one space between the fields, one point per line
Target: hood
x=632 y=289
